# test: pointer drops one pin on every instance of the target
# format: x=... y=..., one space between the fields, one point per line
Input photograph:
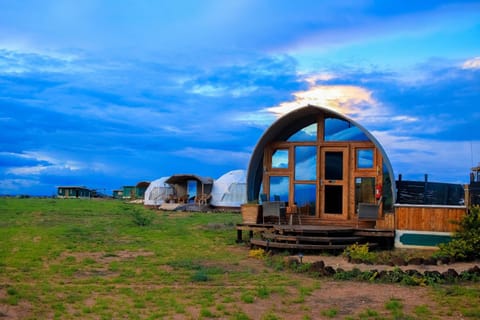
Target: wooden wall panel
x=388 y=222
x=428 y=218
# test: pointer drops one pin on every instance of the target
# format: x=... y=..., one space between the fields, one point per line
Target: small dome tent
x=229 y=190
x=157 y=192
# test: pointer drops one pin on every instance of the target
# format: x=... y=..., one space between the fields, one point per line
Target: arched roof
x=287 y=125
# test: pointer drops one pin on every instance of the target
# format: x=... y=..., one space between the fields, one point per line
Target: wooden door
x=333 y=190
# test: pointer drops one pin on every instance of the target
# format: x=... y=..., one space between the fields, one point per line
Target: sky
x=106 y=93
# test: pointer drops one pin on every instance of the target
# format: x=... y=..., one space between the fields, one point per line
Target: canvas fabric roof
x=181 y=178
x=230 y=190
x=157 y=192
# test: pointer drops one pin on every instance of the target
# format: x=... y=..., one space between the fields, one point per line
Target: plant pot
x=251 y=213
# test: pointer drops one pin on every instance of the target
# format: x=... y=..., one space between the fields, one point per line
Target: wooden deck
x=311 y=237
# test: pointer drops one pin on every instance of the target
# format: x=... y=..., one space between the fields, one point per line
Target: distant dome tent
x=230 y=190
x=157 y=192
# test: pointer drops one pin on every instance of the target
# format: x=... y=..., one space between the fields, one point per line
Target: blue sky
x=109 y=93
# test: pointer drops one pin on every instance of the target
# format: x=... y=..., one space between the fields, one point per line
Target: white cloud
x=345 y=99
x=473 y=63
x=218 y=91
x=413 y=157
x=14 y=185
x=50 y=163
x=312 y=79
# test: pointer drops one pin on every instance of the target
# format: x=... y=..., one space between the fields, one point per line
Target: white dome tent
x=229 y=191
x=157 y=192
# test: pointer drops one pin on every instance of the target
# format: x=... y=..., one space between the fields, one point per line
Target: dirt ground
x=347 y=298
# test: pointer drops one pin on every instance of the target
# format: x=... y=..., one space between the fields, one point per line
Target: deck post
x=239 y=236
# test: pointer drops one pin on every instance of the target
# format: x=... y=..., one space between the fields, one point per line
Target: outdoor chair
x=275 y=209
x=367 y=212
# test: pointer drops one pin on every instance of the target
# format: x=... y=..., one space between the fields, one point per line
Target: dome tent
x=157 y=192
x=230 y=190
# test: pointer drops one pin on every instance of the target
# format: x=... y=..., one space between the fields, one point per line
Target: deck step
x=321 y=239
x=300 y=246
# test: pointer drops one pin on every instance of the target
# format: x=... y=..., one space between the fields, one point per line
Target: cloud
x=344 y=99
x=443 y=161
x=473 y=63
x=16 y=185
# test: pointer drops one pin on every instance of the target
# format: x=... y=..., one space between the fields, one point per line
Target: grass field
x=103 y=259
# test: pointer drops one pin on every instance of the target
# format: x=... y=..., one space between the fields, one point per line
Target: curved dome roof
x=289 y=124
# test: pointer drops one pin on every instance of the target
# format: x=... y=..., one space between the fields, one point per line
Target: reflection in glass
x=333 y=199
x=364 y=158
x=309 y=133
x=334 y=165
x=364 y=190
x=306 y=163
x=387 y=197
x=279 y=188
x=341 y=130
x=280 y=159
x=305 y=198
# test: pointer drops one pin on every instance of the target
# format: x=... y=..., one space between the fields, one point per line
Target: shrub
x=142 y=218
x=465 y=244
x=257 y=254
x=359 y=252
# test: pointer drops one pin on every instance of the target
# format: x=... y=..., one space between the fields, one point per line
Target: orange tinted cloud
x=345 y=99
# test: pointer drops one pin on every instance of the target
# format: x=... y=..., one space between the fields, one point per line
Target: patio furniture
x=274 y=209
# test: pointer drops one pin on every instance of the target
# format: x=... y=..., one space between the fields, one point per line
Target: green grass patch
x=96 y=259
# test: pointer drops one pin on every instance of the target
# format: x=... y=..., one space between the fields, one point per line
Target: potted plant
x=251 y=212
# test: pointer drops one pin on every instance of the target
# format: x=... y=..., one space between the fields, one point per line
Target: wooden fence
x=428 y=217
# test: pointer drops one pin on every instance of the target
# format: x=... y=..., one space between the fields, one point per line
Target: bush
x=465 y=244
x=142 y=218
x=359 y=253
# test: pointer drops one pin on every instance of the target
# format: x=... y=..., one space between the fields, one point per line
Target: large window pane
x=365 y=158
x=305 y=198
x=280 y=159
x=309 y=133
x=333 y=165
x=279 y=188
x=364 y=190
x=333 y=199
x=306 y=163
x=341 y=130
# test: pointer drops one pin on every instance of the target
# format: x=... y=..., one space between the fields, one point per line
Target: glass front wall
x=333 y=199
x=279 y=188
x=280 y=159
x=333 y=165
x=364 y=190
x=295 y=177
x=309 y=133
x=365 y=159
x=305 y=198
x=341 y=130
x=305 y=163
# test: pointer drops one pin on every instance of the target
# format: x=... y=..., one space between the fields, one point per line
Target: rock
x=293 y=261
x=416 y=261
x=382 y=274
x=398 y=261
x=413 y=273
x=329 y=271
x=474 y=270
x=430 y=261
x=317 y=266
x=450 y=274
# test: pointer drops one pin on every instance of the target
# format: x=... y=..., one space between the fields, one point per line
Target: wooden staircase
x=311 y=237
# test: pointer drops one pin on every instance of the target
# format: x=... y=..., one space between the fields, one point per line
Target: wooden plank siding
x=428 y=218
